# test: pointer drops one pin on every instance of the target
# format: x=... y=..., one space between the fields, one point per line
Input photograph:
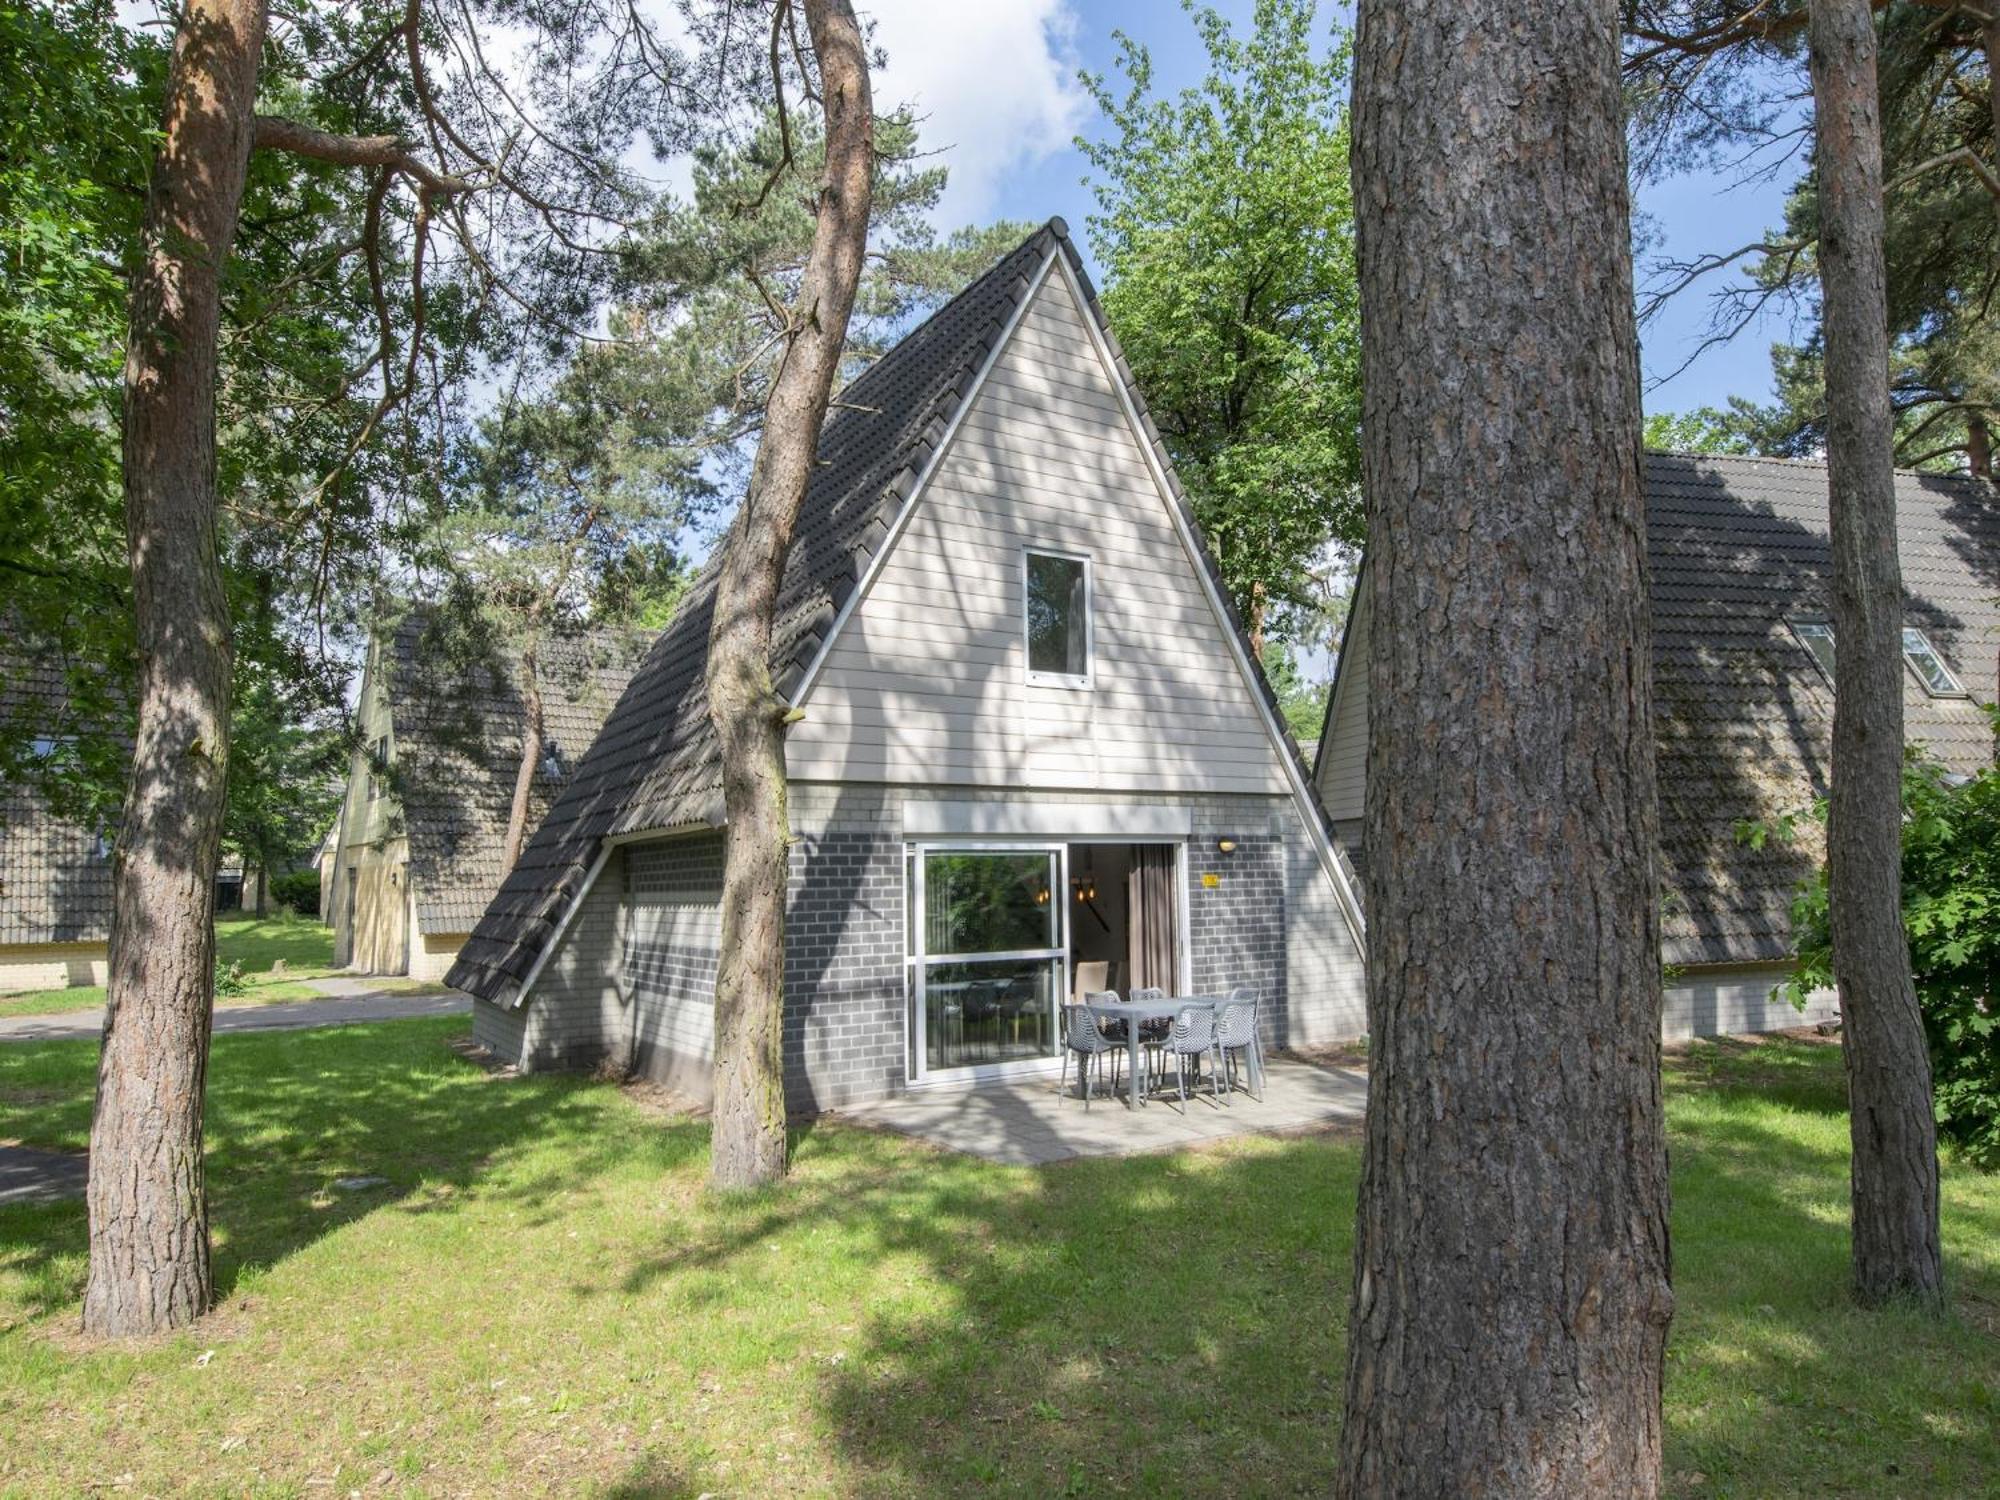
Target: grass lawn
x=541 y=1299
x=304 y=943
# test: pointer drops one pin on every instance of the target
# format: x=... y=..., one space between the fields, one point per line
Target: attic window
x=1937 y=678
x=553 y=768
x=378 y=767
x=1056 y=589
x=1817 y=637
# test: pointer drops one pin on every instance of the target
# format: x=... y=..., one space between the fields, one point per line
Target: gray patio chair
x=1150 y=1032
x=1236 y=1031
x=1192 y=1035
x=1083 y=1039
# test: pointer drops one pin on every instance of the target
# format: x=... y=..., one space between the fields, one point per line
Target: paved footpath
x=30 y=1176
x=346 y=1000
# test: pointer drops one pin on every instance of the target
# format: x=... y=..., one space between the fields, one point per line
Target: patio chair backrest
x=1236 y=1022
x=1148 y=992
x=1080 y=1027
x=1194 y=1029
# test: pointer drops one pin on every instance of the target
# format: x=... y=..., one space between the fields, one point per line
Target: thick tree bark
x=534 y=730
x=149 y=1250
x=748 y=713
x=1511 y=1298
x=1894 y=1173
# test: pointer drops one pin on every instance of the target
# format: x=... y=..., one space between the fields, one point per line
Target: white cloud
x=994 y=82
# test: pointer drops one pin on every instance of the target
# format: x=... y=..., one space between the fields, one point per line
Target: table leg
x=1132 y=1091
x=1257 y=1063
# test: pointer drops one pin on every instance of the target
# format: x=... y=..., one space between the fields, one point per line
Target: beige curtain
x=1150 y=904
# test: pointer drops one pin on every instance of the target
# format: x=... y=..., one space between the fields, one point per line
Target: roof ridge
x=1775 y=461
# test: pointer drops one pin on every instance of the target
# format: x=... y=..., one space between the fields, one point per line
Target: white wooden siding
x=1343 y=759
x=925 y=683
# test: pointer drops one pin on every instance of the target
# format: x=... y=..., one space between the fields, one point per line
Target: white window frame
x=1957 y=688
x=1062 y=679
x=1799 y=627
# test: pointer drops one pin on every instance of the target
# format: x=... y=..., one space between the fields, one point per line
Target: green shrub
x=229 y=979
x=1951 y=909
x=298 y=890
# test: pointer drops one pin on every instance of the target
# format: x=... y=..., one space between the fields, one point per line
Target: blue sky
x=997 y=82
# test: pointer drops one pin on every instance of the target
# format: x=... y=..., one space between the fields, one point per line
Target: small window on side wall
x=1057 y=590
x=1938 y=679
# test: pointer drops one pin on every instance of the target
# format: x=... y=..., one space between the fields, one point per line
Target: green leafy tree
x=1951 y=910
x=1302 y=700
x=1225 y=227
x=1706 y=429
x=287 y=752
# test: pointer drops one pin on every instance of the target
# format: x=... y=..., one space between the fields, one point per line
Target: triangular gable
x=922 y=678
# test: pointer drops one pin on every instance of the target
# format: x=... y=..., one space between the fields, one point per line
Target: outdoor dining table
x=1136 y=1012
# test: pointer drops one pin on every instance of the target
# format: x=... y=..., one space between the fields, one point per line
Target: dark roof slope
x=655 y=767
x=55 y=871
x=1738 y=546
x=458 y=717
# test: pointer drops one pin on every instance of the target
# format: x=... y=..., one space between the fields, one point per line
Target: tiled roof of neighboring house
x=55 y=873
x=1738 y=548
x=656 y=766
x=458 y=717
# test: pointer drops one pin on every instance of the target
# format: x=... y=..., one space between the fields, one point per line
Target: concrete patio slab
x=1031 y=1124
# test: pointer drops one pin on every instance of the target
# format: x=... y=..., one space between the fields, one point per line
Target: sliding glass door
x=988 y=955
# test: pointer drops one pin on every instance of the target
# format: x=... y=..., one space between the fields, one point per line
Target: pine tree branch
x=275 y=133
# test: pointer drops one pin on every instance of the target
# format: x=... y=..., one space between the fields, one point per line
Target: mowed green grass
x=304 y=943
x=543 y=1299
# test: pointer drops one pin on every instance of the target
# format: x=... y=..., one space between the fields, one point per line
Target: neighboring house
x=422 y=831
x=1031 y=749
x=55 y=872
x=1743 y=702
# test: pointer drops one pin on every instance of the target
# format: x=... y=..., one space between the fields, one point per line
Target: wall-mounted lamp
x=1226 y=844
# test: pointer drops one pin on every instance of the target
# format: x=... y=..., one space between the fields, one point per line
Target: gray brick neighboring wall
x=1724 y=1001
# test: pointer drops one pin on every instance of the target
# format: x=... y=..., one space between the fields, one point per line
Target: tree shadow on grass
x=1167 y=1324
x=292 y=1113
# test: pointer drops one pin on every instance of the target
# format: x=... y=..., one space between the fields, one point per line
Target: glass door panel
x=988 y=956
x=993 y=1011
x=989 y=903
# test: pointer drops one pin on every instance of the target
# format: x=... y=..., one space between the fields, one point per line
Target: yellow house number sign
x=1210 y=879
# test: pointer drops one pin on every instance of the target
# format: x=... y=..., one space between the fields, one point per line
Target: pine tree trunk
x=534 y=731
x=149 y=1250
x=1894 y=1173
x=1511 y=1299
x=749 y=1112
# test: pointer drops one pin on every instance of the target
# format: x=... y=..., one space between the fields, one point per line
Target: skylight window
x=1937 y=678
x=1924 y=659
x=1817 y=637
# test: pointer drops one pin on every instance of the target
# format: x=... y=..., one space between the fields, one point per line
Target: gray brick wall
x=844 y=966
x=1236 y=927
x=670 y=945
x=636 y=971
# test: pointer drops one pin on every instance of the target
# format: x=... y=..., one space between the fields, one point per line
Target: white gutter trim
x=1302 y=792
x=909 y=505
x=611 y=842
